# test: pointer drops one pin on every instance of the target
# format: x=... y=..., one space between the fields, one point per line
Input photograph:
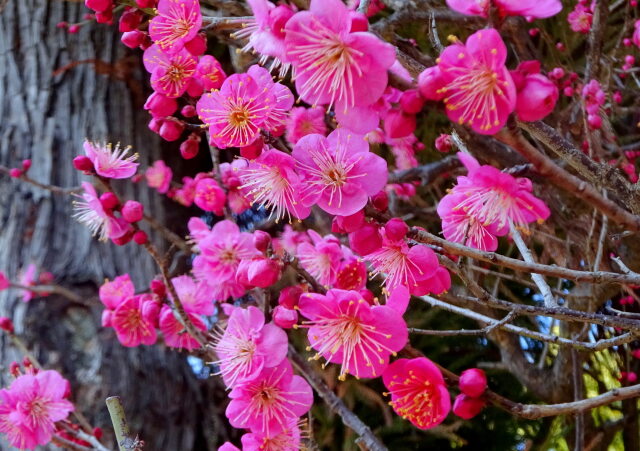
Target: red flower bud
x=365 y=240
x=473 y=382
x=140 y=237
x=132 y=211
x=97 y=432
x=380 y=201
x=466 y=407
x=188 y=111
x=83 y=163
x=289 y=296
x=171 y=130
x=261 y=240
x=396 y=229
x=15 y=173
x=26 y=164
x=109 y=200
x=133 y=39
x=158 y=288
x=189 y=148
x=6 y=324
x=411 y=101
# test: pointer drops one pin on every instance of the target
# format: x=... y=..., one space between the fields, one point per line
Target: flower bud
x=188 y=111
x=190 y=147
x=6 y=324
x=365 y=240
x=160 y=105
x=473 y=382
x=289 y=296
x=73 y=29
x=171 y=130
x=158 y=288
x=83 y=163
x=411 y=101
x=109 y=200
x=594 y=121
x=537 y=98
x=132 y=211
x=347 y=224
x=380 y=201
x=284 y=317
x=15 y=173
x=466 y=407
x=396 y=229
x=4 y=281
x=263 y=272
x=261 y=240
x=398 y=124
x=430 y=83
x=105 y=17
x=444 y=143
x=140 y=237
x=97 y=432
x=26 y=164
x=133 y=39
x=124 y=239
x=99 y=5
x=129 y=20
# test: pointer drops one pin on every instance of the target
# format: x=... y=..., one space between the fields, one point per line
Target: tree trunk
x=56 y=89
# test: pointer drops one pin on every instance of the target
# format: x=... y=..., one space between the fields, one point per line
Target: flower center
x=228 y=256
x=239 y=117
x=175 y=73
x=337 y=176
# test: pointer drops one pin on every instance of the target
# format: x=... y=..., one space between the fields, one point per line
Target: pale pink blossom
x=177 y=22
x=305 y=121
x=90 y=212
x=111 y=162
x=338 y=172
x=248 y=345
x=334 y=66
x=322 y=258
x=344 y=328
x=31 y=406
x=159 y=176
x=269 y=402
x=580 y=19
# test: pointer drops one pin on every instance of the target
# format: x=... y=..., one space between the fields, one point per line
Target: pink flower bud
x=284 y=317
x=263 y=272
x=188 y=111
x=160 y=106
x=171 y=130
x=398 y=124
x=133 y=39
x=105 y=17
x=411 y=101
x=97 y=432
x=347 y=224
x=26 y=164
x=45 y=278
x=132 y=211
x=359 y=22
x=209 y=196
x=537 y=98
x=627 y=42
x=158 y=288
x=289 y=296
x=632 y=377
x=124 y=239
x=6 y=324
x=568 y=91
x=380 y=201
x=14 y=369
x=140 y=237
x=365 y=240
x=15 y=173
x=444 y=143
x=129 y=21
x=151 y=310
x=261 y=240
x=396 y=229
x=198 y=45
x=63 y=24
x=630 y=60
x=533 y=32
x=635 y=353
x=556 y=73
x=466 y=407
x=109 y=200
x=107 y=315
x=594 y=121
x=99 y=5
x=154 y=125
x=190 y=147
x=83 y=163
x=430 y=83
x=253 y=150
x=73 y=29
x=561 y=47
x=473 y=382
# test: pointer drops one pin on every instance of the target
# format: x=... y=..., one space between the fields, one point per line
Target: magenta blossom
x=193 y=295
x=418 y=391
x=236 y=198
x=177 y=22
x=338 y=172
x=31 y=406
x=210 y=196
x=111 y=162
x=477 y=87
x=539 y=9
x=174 y=332
x=580 y=19
x=269 y=402
x=159 y=176
x=90 y=212
x=346 y=329
x=288 y=439
x=322 y=258
x=334 y=66
x=170 y=73
x=113 y=293
x=305 y=121
x=236 y=113
x=133 y=323
x=28 y=278
x=248 y=345
x=276 y=119
x=272 y=182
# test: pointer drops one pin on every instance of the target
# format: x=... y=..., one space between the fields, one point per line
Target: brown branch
x=427 y=172
x=350 y=419
x=295 y=264
x=68 y=444
x=169 y=235
x=225 y=23
x=596 y=39
x=52 y=188
x=55 y=289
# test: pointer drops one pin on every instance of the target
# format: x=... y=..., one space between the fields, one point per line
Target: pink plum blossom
x=305 y=121
x=111 y=162
x=267 y=403
x=177 y=22
x=288 y=439
x=159 y=176
x=580 y=19
x=170 y=73
x=175 y=333
x=236 y=198
x=248 y=345
x=209 y=73
x=322 y=258
x=338 y=172
x=344 y=328
x=477 y=87
x=539 y=9
x=210 y=196
x=334 y=66
x=272 y=182
x=28 y=279
x=276 y=119
x=113 y=293
x=4 y=281
x=194 y=296
x=90 y=212
x=133 y=327
x=418 y=391
x=31 y=406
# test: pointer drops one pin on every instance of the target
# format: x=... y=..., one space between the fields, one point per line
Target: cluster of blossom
x=472 y=384
x=594 y=98
x=477 y=89
x=485 y=204
x=29 y=277
x=581 y=18
x=32 y=405
x=565 y=81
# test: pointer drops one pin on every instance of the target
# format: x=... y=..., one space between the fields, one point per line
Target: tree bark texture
x=56 y=89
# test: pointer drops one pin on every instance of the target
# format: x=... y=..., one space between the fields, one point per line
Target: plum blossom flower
x=236 y=113
x=272 y=182
x=494 y=197
x=338 y=172
x=134 y=321
x=177 y=22
x=31 y=406
x=266 y=33
x=112 y=294
x=418 y=391
x=334 y=66
x=322 y=258
x=194 y=296
x=344 y=328
x=539 y=9
x=90 y=212
x=267 y=403
x=175 y=333
x=159 y=176
x=276 y=119
x=111 y=162
x=305 y=121
x=170 y=73
x=476 y=86
x=248 y=345
x=209 y=196
x=288 y=439
x=28 y=279
x=537 y=95
x=236 y=198
x=580 y=19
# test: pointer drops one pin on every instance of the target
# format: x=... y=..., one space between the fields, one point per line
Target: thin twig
x=120 y=424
